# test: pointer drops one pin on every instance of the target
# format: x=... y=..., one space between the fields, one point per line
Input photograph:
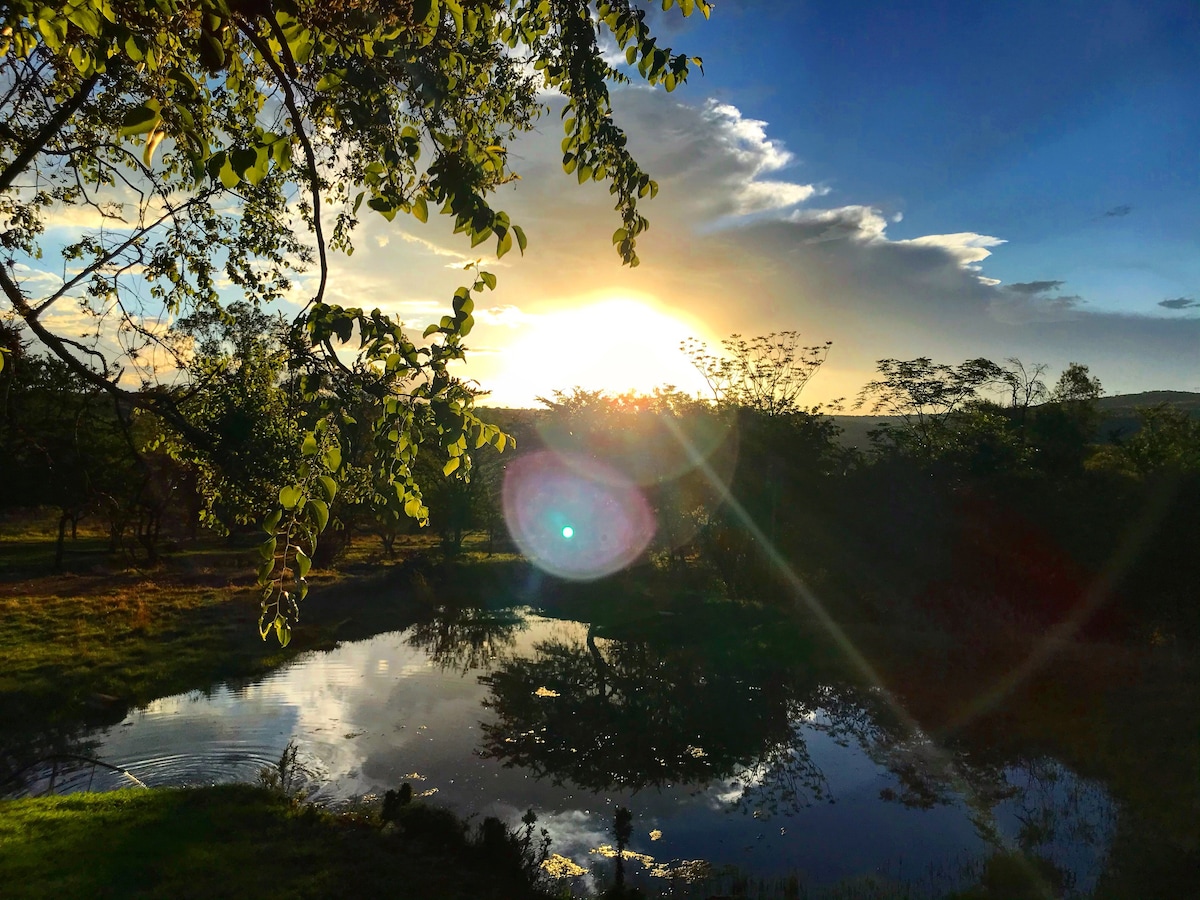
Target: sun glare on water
x=614 y=345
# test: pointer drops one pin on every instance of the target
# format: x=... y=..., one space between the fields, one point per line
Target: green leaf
x=265 y=570
x=333 y=459
x=504 y=244
x=303 y=563
x=318 y=511
x=271 y=524
x=451 y=465
x=412 y=507
x=489 y=279
x=243 y=160
x=522 y=242
x=309 y=445
x=420 y=209
x=328 y=487
x=229 y=178
x=383 y=206
x=289 y=497
x=141 y=119
x=86 y=18
x=267 y=548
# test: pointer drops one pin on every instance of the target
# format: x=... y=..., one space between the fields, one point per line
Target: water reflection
x=683 y=718
x=655 y=711
x=461 y=638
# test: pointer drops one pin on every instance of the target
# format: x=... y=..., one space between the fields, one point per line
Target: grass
x=236 y=841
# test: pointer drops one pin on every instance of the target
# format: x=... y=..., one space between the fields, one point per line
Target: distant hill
x=1120 y=415
x=1186 y=400
x=856 y=429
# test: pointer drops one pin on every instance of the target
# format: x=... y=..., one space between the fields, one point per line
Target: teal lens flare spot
x=546 y=495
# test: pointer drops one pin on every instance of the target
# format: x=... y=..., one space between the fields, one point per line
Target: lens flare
x=643 y=447
x=575 y=518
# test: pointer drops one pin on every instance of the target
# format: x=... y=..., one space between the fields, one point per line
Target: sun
x=613 y=344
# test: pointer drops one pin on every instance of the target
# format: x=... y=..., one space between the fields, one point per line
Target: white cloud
x=733 y=243
x=966 y=247
x=861 y=223
x=747 y=138
x=504 y=316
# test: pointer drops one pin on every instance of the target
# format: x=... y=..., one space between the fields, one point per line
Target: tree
x=1076 y=384
x=925 y=394
x=262 y=128
x=766 y=373
x=1064 y=428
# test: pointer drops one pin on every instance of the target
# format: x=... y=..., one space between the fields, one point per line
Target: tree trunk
x=59 y=545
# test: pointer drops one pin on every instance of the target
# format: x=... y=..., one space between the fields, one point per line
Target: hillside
x=1120 y=415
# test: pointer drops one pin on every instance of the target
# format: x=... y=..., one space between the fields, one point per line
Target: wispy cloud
x=1180 y=303
x=1026 y=302
x=504 y=316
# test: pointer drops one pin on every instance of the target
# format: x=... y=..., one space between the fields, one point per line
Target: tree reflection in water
x=461 y=637
x=726 y=698
x=661 y=703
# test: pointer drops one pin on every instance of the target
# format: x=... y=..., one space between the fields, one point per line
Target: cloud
x=38 y=279
x=1179 y=303
x=741 y=257
x=1033 y=288
x=966 y=247
x=1118 y=212
x=860 y=223
x=1026 y=302
x=504 y=316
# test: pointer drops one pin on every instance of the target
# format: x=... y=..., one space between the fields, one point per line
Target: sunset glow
x=617 y=344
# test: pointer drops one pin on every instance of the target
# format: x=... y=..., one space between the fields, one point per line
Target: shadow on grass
x=236 y=841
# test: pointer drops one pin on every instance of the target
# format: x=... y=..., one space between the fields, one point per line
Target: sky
x=947 y=180
x=936 y=179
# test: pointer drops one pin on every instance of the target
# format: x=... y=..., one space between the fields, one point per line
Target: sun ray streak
x=984 y=817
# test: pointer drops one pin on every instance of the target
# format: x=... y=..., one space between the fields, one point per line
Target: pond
x=734 y=742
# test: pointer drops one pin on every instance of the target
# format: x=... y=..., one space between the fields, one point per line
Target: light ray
x=805 y=596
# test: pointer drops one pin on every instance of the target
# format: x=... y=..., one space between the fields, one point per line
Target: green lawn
x=235 y=841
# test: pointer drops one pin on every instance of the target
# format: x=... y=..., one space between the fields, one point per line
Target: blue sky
x=1027 y=121
x=945 y=180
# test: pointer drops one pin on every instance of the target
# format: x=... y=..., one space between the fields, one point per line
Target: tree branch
x=158 y=403
x=289 y=99
x=53 y=125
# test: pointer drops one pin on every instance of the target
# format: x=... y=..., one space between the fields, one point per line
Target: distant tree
x=1076 y=384
x=239 y=359
x=665 y=441
x=1167 y=440
x=1027 y=389
x=1025 y=383
x=766 y=373
x=65 y=445
x=926 y=395
x=1064 y=429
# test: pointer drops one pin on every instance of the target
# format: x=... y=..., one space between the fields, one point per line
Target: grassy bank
x=83 y=646
x=239 y=841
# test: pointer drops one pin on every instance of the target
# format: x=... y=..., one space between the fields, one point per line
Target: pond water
x=731 y=752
